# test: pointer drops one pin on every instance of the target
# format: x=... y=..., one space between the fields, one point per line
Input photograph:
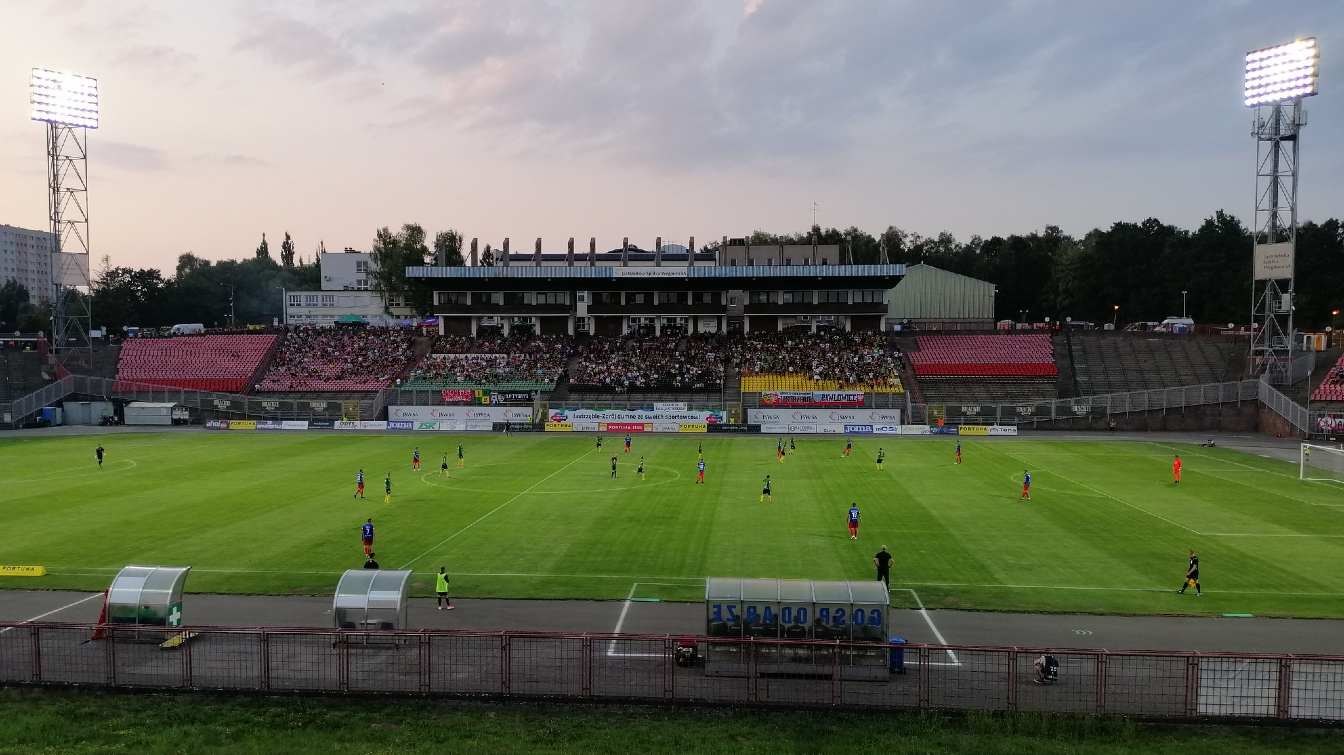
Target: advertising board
x=345 y=424
x=457 y=395
x=973 y=430
x=669 y=406
x=559 y=427
x=915 y=430
x=625 y=427
x=401 y=424
x=709 y=417
x=217 y=424
x=725 y=428
x=372 y=425
x=242 y=424
x=460 y=413
x=1002 y=430
x=479 y=425
x=506 y=397
x=321 y=424
x=770 y=416
x=270 y=424
x=887 y=429
x=294 y=424
x=692 y=427
x=813 y=398
x=858 y=429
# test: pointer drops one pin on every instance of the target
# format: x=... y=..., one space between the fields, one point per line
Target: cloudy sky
x=616 y=118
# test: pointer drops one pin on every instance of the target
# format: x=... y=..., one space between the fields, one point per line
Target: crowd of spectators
x=855 y=359
x=487 y=361
x=671 y=363
x=338 y=359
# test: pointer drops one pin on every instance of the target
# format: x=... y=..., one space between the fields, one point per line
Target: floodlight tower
x=1277 y=79
x=68 y=104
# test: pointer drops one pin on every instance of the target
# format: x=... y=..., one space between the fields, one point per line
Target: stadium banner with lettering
x=458 y=396
x=426 y=425
x=22 y=570
x=321 y=424
x=460 y=413
x=400 y=424
x=820 y=416
x=372 y=425
x=858 y=429
x=625 y=427
x=916 y=430
x=693 y=427
x=559 y=427
x=217 y=424
x=670 y=406
x=1040 y=410
x=973 y=411
x=480 y=425
x=346 y=424
x=973 y=430
x=1330 y=423
x=663 y=426
x=270 y=424
x=887 y=429
x=505 y=397
x=726 y=428
x=1002 y=430
x=294 y=424
x=707 y=416
x=225 y=405
x=944 y=430
x=242 y=424
x=515 y=427
x=813 y=398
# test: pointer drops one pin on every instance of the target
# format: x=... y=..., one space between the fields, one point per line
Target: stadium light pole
x=1115 y=317
x=1183 y=308
x=68 y=104
x=1277 y=80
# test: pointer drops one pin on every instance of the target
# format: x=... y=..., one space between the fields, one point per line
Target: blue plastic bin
x=897 y=654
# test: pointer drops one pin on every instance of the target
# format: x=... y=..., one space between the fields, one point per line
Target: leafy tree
x=448 y=248
x=263 y=249
x=14 y=303
x=287 y=251
x=392 y=253
x=487 y=257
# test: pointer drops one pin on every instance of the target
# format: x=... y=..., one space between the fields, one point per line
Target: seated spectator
x=852 y=359
x=338 y=359
x=487 y=360
x=669 y=362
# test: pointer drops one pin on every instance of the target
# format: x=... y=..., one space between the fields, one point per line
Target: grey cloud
x=289 y=42
x=126 y=156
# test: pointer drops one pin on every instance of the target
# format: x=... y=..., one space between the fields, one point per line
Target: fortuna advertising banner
x=813 y=398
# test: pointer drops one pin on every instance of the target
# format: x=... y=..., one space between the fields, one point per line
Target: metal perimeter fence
x=654 y=668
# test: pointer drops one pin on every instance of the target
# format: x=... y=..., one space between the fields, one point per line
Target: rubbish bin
x=897 y=661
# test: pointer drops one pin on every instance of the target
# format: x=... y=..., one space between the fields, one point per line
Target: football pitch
x=538 y=516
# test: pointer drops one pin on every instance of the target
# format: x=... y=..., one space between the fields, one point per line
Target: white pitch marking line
x=487 y=514
x=41 y=616
x=620 y=622
x=934 y=627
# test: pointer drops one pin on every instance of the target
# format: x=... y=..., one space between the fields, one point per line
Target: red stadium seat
x=210 y=363
x=985 y=356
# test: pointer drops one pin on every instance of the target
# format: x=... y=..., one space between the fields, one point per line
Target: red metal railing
x=647 y=668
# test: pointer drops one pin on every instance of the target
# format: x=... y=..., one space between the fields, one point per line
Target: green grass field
x=536 y=515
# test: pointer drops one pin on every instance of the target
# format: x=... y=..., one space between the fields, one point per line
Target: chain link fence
x=667 y=669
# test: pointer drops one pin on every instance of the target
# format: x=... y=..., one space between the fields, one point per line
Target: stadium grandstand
x=1331 y=387
x=1110 y=362
x=512 y=363
x=338 y=360
x=222 y=363
x=818 y=362
x=985 y=368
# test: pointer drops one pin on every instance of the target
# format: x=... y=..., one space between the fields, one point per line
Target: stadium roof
x=708 y=273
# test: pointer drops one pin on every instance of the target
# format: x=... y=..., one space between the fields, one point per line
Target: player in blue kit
x=1026 y=486
x=853 y=520
x=366 y=537
x=359 y=484
x=628 y=441
x=700 y=471
x=415 y=459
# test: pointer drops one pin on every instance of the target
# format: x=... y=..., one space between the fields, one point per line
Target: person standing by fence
x=441 y=589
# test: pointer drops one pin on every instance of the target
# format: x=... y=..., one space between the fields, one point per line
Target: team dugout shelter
x=740 y=288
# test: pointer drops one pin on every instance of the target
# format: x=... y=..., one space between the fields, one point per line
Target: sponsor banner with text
x=270 y=424
x=944 y=430
x=693 y=427
x=973 y=430
x=559 y=427
x=345 y=424
x=217 y=424
x=506 y=397
x=813 y=398
x=321 y=424
x=372 y=425
x=1003 y=430
x=625 y=427
x=669 y=406
x=400 y=425
x=639 y=416
x=460 y=413
x=294 y=424
x=734 y=428
x=887 y=429
x=916 y=430
x=479 y=425
x=858 y=429
x=766 y=416
x=666 y=427
x=242 y=424
x=458 y=395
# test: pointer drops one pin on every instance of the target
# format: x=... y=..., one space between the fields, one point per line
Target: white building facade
x=26 y=257
x=347 y=295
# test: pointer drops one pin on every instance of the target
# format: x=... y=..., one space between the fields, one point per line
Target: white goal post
x=1319 y=463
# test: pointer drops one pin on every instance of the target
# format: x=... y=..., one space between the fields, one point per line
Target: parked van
x=1176 y=325
x=188 y=329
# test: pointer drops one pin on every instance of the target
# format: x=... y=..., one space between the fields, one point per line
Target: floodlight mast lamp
x=1277 y=78
x=68 y=104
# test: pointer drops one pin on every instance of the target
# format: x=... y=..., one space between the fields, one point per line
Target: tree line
x=1141 y=268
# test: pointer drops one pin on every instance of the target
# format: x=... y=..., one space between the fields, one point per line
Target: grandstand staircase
x=732 y=389
x=1067 y=382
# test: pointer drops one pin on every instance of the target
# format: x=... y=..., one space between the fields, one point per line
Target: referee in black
x=882 y=560
x=1191 y=574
